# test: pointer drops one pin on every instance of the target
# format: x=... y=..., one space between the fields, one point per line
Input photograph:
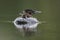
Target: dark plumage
x=30 y=11
x=21 y=22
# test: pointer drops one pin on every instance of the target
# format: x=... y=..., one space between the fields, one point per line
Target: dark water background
x=9 y=10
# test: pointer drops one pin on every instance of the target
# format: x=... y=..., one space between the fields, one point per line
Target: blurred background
x=9 y=10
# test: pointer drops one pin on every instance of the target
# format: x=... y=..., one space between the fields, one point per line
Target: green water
x=9 y=10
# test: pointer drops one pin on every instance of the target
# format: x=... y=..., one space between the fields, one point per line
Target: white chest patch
x=28 y=22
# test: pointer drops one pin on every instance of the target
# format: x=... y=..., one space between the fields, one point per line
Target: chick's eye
x=30 y=13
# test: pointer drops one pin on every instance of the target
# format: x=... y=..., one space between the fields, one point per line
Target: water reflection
x=27 y=26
